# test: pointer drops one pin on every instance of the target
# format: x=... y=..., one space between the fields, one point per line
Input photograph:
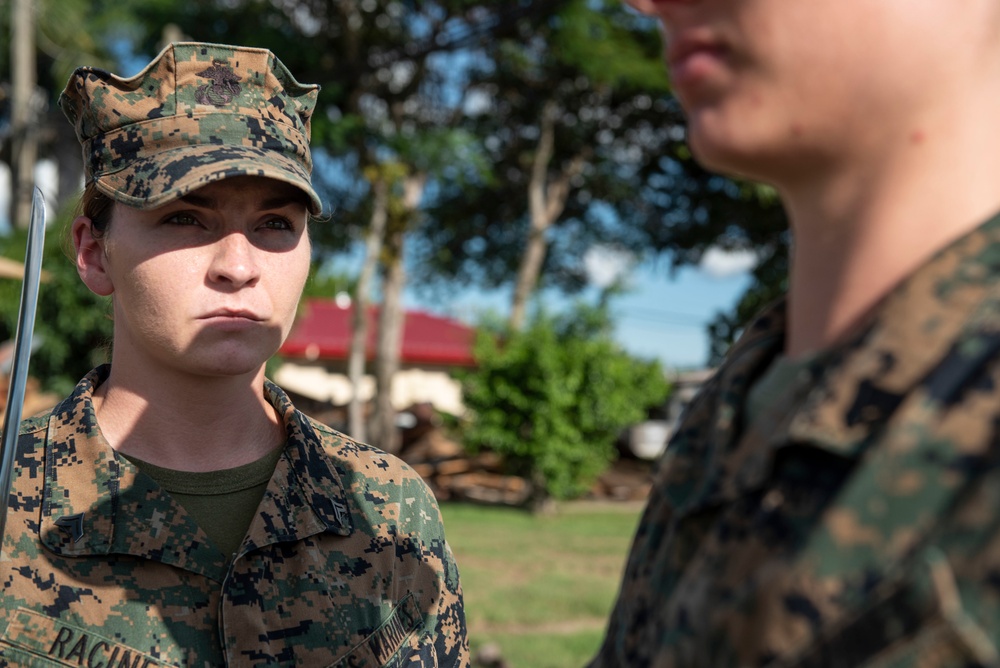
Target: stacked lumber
x=627 y=479
x=455 y=475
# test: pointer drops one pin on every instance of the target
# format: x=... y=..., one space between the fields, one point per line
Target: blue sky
x=665 y=317
x=662 y=316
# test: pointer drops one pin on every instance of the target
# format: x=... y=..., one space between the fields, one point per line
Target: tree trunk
x=356 y=424
x=392 y=316
x=24 y=111
x=546 y=201
x=390 y=329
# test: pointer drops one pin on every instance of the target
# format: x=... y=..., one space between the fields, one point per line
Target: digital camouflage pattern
x=345 y=564
x=198 y=113
x=856 y=522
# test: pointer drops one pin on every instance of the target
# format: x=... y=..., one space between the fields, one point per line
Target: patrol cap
x=198 y=113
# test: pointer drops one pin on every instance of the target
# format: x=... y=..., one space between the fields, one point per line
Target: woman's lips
x=232 y=313
x=232 y=320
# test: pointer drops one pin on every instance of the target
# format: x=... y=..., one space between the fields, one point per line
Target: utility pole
x=24 y=112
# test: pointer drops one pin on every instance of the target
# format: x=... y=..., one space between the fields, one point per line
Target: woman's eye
x=182 y=219
x=278 y=224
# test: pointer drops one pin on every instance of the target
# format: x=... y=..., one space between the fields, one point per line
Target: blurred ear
x=91 y=260
x=644 y=6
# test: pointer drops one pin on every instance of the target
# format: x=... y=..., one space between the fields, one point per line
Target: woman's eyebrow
x=199 y=201
x=281 y=201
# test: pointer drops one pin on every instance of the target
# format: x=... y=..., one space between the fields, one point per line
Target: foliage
x=553 y=398
x=68 y=34
x=72 y=325
x=595 y=68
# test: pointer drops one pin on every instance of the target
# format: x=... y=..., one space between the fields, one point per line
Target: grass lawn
x=540 y=587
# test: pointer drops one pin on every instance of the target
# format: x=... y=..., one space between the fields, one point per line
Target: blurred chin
x=731 y=152
x=717 y=155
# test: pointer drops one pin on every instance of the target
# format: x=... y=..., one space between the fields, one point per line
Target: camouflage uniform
x=857 y=521
x=345 y=563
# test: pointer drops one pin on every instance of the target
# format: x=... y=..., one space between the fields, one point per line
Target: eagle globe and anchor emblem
x=224 y=87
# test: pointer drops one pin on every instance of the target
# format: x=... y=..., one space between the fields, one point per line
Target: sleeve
x=431 y=576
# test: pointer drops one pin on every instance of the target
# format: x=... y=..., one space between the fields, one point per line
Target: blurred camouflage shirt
x=856 y=521
x=345 y=564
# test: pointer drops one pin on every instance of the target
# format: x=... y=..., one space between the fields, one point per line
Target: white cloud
x=720 y=263
x=605 y=265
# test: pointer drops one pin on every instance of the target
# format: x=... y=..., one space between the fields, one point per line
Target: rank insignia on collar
x=340 y=511
x=224 y=87
x=72 y=524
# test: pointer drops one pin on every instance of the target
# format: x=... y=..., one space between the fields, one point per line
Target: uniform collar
x=96 y=502
x=306 y=495
x=916 y=351
x=924 y=343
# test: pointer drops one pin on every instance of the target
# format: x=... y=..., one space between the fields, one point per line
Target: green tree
x=553 y=398
x=569 y=111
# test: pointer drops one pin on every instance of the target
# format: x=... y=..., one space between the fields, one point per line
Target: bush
x=553 y=398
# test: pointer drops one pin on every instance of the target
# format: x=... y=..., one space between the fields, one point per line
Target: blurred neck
x=862 y=227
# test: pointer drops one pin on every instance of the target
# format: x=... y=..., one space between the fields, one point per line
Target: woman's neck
x=187 y=423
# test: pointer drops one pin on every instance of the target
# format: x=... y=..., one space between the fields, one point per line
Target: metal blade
x=22 y=351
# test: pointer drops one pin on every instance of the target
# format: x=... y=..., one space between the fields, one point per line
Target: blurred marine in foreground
x=832 y=497
x=176 y=509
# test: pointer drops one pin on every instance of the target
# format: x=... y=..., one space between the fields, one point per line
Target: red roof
x=323 y=331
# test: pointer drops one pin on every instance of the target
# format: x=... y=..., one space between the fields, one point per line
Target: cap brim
x=147 y=183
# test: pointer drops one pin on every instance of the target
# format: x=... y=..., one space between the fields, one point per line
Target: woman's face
x=208 y=284
x=774 y=88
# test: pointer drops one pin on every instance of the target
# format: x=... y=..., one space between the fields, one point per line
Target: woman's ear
x=91 y=260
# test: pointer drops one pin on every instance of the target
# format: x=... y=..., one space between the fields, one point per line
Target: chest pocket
x=33 y=639
x=382 y=648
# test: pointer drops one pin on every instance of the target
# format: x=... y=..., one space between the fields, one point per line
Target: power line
x=663 y=316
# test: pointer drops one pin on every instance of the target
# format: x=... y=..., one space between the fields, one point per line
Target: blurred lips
x=693 y=57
